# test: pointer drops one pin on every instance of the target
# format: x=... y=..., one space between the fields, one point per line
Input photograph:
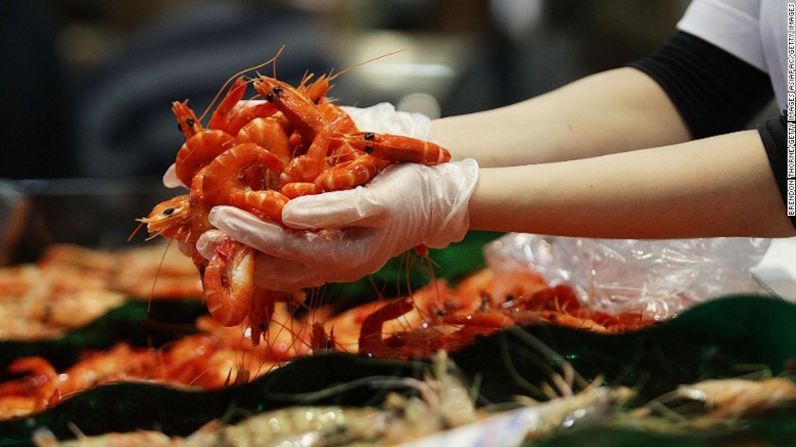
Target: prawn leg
x=261 y=312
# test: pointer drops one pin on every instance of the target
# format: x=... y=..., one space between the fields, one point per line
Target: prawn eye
x=168 y=211
x=369 y=136
x=269 y=96
x=278 y=90
x=189 y=122
x=368 y=150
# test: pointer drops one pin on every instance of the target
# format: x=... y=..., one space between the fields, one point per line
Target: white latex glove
x=404 y=206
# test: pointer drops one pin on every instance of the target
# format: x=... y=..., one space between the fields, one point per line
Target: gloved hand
x=404 y=206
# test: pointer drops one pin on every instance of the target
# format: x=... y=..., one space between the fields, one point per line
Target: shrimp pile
x=70 y=286
x=214 y=358
x=256 y=156
x=437 y=317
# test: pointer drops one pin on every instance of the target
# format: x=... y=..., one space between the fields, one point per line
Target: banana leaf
x=724 y=338
x=136 y=321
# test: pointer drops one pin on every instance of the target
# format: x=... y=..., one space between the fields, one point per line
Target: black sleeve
x=772 y=132
x=714 y=91
x=717 y=93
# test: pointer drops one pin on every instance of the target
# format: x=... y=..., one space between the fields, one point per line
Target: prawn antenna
x=235 y=76
x=136 y=230
x=157 y=275
x=332 y=77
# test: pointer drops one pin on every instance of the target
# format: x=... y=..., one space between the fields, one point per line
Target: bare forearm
x=721 y=186
x=614 y=111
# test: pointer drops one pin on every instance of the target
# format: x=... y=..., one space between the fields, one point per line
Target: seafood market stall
x=128 y=318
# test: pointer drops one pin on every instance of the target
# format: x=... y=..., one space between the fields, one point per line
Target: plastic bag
x=657 y=277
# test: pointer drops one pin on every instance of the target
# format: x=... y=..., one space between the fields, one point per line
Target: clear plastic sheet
x=657 y=277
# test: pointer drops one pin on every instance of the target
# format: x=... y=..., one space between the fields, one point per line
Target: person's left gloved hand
x=405 y=206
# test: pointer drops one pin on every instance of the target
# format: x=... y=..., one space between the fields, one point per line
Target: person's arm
x=687 y=89
x=614 y=111
x=720 y=186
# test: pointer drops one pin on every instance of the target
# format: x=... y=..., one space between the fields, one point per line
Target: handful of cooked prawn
x=257 y=156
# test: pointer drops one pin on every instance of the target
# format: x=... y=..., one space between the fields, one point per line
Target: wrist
x=452 y=188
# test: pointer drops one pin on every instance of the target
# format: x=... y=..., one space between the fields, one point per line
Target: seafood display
x=256 y=156
x=437 y=317
x=443 y=411
x=440 y=317
x=221 y=356
x=211 y=359
x=71 y=286
x=442 y=403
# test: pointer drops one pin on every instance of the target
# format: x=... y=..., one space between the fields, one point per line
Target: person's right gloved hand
x=404 y=206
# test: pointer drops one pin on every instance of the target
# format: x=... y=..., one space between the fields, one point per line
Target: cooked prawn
x=230 y=116
x=305 y=168
x=267 y=133
x=187 y=121
x=298 y=189
x=228 y=179
x=198 y=151
x=300 y=110
x=398 y=148
x=229 y=282
x=350 y=174
x=170 y=218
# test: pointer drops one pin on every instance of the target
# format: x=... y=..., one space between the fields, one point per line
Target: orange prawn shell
x=225 y=182
x=398 y=148
x=221 y=116
x=267 y=133
x=350 y=174
x=170 y=218
x=229 y=282
x=199 y=151
x=187 y=121
x=298 y=189
x=300 y=110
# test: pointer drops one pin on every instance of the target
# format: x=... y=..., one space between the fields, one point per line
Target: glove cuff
x=452 y=213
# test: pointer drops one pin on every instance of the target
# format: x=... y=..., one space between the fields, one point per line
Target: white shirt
x=755 y=31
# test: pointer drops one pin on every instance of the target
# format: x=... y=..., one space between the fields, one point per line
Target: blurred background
x=88 y=83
